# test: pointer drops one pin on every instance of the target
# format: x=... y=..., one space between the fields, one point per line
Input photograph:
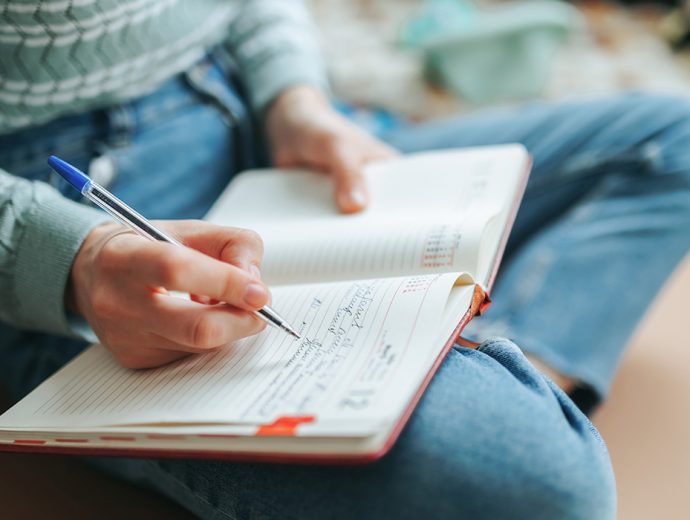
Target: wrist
x=296 y=97
x=79 y=273
x=302 y=93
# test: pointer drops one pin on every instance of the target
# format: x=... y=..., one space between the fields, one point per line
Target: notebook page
x=428 y=213
x=395 y=247
x=364 y=350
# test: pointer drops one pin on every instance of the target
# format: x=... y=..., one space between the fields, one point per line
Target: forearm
x=275 y=45
x=40 y=234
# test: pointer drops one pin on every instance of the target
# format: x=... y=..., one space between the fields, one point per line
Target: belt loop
x=231 y=103
x=121 y=126
x=209 y=94
x=248 y=133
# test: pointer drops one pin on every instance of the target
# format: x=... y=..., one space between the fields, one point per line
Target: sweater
x=65 y=56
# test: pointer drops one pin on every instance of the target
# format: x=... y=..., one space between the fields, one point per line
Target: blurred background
x=428 y=58
x=434 y=58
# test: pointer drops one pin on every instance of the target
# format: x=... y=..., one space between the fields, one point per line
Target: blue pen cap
x=77 y=178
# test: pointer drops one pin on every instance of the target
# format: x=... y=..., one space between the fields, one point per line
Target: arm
x=276 y=47
x=51 y=247
x=40 y=234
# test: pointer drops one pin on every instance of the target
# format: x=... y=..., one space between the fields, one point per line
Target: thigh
x=491 y=439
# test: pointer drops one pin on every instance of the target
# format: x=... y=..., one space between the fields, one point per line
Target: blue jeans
x=606 y=217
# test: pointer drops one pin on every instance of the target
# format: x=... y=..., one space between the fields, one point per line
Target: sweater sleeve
x=40 y=234
x=275 y=45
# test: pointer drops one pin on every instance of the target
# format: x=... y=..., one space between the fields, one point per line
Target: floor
x=54 y=487
x=645 y=421
x=617 y=49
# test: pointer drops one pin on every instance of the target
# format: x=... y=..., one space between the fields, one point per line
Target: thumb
x=351 y=193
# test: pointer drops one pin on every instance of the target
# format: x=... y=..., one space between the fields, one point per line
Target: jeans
x=605 y=219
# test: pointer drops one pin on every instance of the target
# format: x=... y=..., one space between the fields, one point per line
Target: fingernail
x=358 y=197
x=255 y=295
x=255 y=271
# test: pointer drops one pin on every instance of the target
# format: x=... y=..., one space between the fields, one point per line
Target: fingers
x=245 y=251
x=169 y=328
x=192 y=272
x=347 y=162
x=305 y=131
x=156 y=264
x=195 y=328
x=120 y=282
x=241 y=247
x=351 y=193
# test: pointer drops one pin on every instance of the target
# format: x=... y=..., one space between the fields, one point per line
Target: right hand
x=118 y=284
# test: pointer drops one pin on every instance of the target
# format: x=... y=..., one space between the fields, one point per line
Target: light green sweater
x=63 y=56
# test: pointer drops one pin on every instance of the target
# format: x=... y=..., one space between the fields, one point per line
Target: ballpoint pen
x=130 y=218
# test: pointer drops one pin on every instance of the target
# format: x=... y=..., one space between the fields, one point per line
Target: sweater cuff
x=55 y=230
x=278 y=73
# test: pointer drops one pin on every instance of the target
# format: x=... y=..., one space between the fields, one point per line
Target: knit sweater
x=64 y=56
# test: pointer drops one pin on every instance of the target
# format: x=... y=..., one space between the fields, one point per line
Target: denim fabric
x=604 y=220
x=492 y=438
x=606 y=217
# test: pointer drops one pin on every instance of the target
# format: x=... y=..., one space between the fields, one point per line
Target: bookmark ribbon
x=285 y=426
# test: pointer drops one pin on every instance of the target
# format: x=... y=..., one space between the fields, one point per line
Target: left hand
x=304 y=131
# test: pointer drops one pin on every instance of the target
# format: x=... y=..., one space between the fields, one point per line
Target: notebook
x=378 y=299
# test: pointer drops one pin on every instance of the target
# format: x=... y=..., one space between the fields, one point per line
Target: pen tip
x=294 y=334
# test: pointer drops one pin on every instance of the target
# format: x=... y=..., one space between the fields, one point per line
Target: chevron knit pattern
x=61 y=56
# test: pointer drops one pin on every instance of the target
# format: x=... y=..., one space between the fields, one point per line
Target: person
x=147 y=96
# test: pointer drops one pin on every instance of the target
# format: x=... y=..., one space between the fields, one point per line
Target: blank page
x=428 y=214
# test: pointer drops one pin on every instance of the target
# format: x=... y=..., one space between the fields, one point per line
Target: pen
x=130 y=218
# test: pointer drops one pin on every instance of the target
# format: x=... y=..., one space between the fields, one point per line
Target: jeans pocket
x=210 y=85
x=214 y=82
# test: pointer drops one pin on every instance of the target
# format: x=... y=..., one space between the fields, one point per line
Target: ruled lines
x=345 y=327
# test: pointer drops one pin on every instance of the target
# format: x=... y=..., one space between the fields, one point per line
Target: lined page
x=365 y=348
x=428 y=214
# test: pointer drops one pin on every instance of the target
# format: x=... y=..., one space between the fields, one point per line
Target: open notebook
x=377 y=297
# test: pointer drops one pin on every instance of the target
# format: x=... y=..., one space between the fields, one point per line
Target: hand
x=305 y=131
x=118 y=279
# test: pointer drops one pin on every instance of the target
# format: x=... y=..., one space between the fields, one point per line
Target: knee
x=556 y=466
x=550 y=461
x=562 y=476
x=516 y=447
